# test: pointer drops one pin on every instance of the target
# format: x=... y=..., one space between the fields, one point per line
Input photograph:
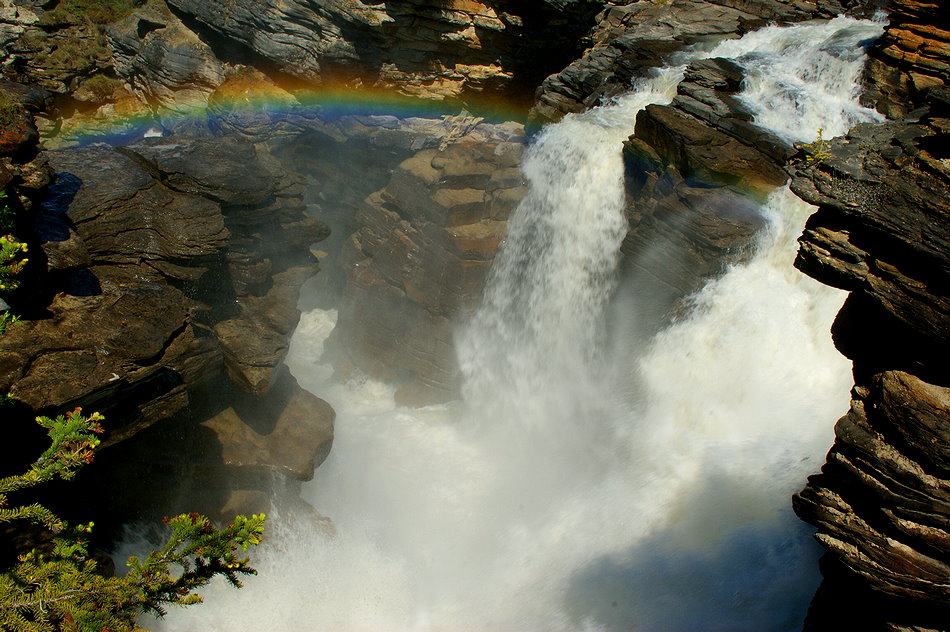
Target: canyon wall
x=162 y=288
x=881 y=503
x=166 y=273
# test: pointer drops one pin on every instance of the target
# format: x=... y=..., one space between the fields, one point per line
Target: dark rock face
x=695 y=171
x=881 y=503
x=421 y=49
x=169 y=261
x=630 y=38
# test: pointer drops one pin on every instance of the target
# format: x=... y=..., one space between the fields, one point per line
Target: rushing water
x=563 y=494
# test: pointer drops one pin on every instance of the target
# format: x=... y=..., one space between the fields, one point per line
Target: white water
x=563 y=494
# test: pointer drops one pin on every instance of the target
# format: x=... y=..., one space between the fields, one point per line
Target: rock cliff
x=696 y=171
x=912 y=56
x=419 y=48
x=881 y=503
x=164 y=271
x=419 y=253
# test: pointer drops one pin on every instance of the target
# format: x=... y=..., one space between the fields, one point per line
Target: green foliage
x=7 y=319
x=818 y=151
x=10 y=263
x=7 y=214
x=10 y=111
x=101 y=86
x=96 y=11
x=62 y=590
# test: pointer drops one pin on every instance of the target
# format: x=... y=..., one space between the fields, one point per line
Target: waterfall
x=552 y=500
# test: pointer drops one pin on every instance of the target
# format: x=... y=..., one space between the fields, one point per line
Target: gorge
x=574 y=376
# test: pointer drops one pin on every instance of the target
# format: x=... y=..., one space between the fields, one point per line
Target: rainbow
x=129 y=119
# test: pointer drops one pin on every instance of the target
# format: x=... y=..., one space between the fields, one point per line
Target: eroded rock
x=420 y=254
x=881 y=503
x=911 y=57
x=696 y=171
x=418 y=48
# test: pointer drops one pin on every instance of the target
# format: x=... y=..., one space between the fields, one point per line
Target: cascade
x=553 y=498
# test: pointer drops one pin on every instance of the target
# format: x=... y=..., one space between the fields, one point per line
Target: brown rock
x=292 y=434
x=419 y=259
x=882 y=502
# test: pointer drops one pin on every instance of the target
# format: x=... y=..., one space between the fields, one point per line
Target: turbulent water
x=575 y=487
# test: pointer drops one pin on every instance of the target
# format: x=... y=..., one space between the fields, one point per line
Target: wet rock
x=696 y=171
x=631 y=38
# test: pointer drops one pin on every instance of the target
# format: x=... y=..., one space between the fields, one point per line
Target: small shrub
x=7 y=319
x=10 y=263
x=62 y=588
x=96 y=11
x=819 y=150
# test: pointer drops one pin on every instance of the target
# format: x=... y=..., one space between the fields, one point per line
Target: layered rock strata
x=432 y=50
x=882 y=501
x=169 y=264
x=420 y=254
x=697 y=170
x=912 y=56
x=163 y=62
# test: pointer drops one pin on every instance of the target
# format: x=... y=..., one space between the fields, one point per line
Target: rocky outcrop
x=420 y=253
x=431 y=50
x=50 y=49
x=912 y=56
x=631 y=38
x=167 y=262
x=696 y=171
x=881 y=503
x=164 y=63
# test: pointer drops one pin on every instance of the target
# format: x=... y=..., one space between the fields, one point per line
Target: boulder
x=289 y=431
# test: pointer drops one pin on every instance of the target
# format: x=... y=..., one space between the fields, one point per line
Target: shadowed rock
x=881 y=503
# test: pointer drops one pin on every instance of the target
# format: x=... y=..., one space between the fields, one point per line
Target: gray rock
x=416 y=47
x=162 y=61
